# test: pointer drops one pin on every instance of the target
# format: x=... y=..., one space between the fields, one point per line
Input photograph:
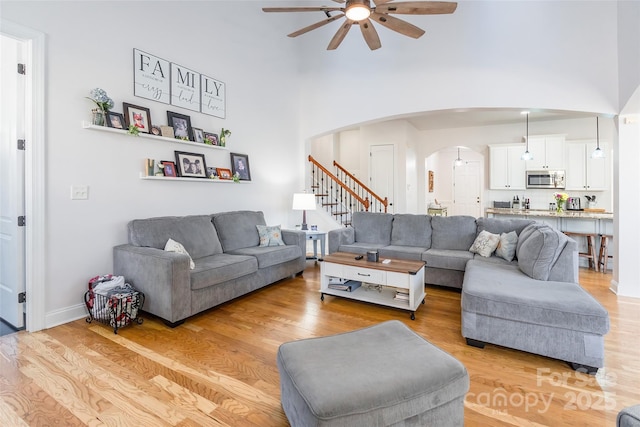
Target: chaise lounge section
x=524 y=294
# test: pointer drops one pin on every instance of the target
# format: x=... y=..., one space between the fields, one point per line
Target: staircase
x=341 y=194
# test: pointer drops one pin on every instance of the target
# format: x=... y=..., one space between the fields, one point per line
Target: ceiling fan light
x=357 y=12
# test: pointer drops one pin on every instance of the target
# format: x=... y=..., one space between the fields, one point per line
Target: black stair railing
x=378 y=204
x=334 y=196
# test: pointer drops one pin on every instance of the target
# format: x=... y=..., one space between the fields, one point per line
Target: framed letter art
x=185 y=87
x=151 y=77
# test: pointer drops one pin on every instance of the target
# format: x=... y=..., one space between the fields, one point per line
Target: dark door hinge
x=22 y=69
x=21 y=144
x=22 y=221
x=22 y=297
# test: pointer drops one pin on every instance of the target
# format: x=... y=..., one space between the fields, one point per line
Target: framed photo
x=212 y=172
x=169 y=168
x=115 y=120
x=181 y=125
x=430 y=181
x=211 y=138
x=198 y=135
x=191 y=165
x=138 y=116
x=240 y=165
x=224 y=173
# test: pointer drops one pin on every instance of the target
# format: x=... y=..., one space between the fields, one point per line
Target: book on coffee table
x=349 y=285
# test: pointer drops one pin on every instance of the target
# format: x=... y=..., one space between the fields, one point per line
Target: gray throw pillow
x=507 y=247
x=539 y=246
x=485 y=244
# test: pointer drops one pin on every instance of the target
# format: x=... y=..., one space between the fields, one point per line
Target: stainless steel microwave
x=545 y=179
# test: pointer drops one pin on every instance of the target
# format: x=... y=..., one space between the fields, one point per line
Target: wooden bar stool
x=591 y=248
x=603 y=255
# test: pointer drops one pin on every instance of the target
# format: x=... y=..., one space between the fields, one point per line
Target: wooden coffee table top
x=396 y=265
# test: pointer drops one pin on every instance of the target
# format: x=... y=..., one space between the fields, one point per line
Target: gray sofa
x=225 y=249
x=532 y=302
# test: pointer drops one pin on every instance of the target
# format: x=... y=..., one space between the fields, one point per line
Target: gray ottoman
x=629 y=417
x=383 y=375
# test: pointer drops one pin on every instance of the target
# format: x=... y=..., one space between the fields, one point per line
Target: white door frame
x=34 y=171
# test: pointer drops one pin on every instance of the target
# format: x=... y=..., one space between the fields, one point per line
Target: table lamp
x=304 y=202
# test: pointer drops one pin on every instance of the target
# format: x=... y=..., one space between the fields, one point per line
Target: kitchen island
x=572 y=221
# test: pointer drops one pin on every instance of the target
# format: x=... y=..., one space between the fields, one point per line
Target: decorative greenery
x=184 y=138
x=208 y=141
x=225 y=132
x=133 y=130
x=236 y=177
x=100 y=98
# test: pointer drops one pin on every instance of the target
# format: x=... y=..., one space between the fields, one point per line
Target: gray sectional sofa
x=228 y=261
x=529 y=299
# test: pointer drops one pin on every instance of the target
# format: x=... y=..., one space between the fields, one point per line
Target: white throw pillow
x=270 y=235
x=485 y=244
x=507 y=246
x=173 y=246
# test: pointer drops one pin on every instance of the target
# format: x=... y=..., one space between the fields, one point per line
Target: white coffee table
x=380 y=281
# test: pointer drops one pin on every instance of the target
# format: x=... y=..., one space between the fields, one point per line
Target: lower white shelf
x=383 y=297
x=170 y=178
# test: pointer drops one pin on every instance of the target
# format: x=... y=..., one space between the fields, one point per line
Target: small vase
x=97 y=117
x=223 y=140
x=560 y=207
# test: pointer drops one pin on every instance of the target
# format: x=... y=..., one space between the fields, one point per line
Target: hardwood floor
x=219 y=369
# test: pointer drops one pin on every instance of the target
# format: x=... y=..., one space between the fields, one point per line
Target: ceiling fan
x=360 y=12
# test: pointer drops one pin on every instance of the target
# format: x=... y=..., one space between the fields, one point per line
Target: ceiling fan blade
x=301 y=9
x=418 y=7
x=339 y=1
x=314 y=26
x=381 y=1
x=370 y=34
x=398 y=25
x=340 y=35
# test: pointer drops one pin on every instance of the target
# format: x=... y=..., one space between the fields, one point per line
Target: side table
x=316 y=236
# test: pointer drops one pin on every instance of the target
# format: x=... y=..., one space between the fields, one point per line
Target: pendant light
x=527 y=155
x=458 y=161
x=598 y=153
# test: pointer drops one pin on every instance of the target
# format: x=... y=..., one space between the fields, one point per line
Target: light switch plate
x=79 y=192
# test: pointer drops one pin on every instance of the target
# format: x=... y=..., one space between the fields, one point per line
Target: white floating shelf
x=87 y=125
x=169 y=178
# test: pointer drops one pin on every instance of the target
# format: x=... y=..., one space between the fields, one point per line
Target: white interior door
x=466 y=189
x=382 y=172
x=12 y=200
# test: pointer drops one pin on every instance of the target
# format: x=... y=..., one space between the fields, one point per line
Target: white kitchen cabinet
x=583 y=172
x=548 y=152
x=506 y=170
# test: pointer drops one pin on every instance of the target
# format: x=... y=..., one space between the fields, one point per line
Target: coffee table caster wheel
x=321 y=297
x=413 y=316
x=423 y=301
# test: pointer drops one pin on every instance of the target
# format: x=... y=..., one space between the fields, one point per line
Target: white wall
x=90 y=44
x=487 y=54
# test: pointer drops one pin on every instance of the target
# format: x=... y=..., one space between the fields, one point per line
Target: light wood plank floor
x=219 y=369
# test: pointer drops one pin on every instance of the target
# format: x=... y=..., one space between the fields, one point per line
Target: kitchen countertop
x=548 y=213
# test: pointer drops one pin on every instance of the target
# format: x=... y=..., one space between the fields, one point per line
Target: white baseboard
x=65 y=315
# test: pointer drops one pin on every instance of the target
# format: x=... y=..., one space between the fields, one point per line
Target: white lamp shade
x=304 y=202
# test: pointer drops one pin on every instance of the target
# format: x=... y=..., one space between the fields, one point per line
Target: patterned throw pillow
x=507 y=247
x=173 y=246
x=485 y=244
x=270 y=235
